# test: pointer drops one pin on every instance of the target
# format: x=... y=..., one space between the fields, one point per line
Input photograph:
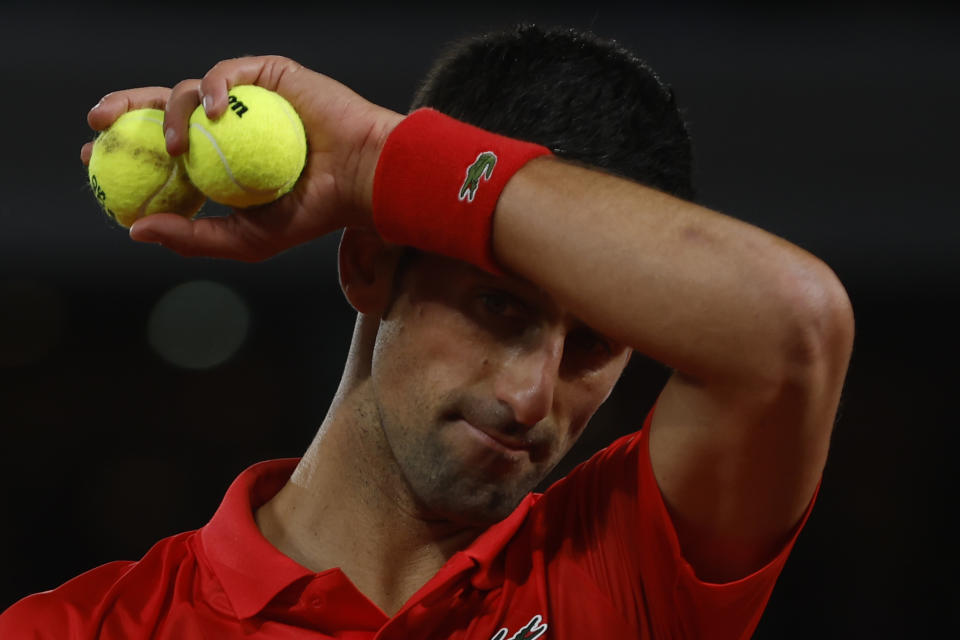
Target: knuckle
x=219 y=66
x=185 y=85
x=276 y=66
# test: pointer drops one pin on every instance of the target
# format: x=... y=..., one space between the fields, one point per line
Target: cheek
x=583 y=405
x=424 y=350
x=586 y=394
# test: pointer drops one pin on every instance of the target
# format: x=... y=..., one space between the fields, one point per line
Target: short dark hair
x=587 y=99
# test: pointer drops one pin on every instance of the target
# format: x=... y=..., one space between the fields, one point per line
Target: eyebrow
x=519 y=288
x=531 y=295
x=526 y=291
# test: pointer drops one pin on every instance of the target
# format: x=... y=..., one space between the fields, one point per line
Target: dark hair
x=587 y=99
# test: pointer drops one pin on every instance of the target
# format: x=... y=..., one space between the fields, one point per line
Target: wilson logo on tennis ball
x=251 y=159
x=236 y=106
x=100 y=195
x=97 y=190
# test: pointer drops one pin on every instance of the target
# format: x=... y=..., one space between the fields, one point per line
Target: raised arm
x=758 y=331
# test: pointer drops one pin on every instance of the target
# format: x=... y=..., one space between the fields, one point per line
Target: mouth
x=496 y=440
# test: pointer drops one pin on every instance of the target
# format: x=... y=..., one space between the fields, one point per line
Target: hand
x=344 y=136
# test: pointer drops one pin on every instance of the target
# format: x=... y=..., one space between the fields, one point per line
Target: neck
x=347 y=506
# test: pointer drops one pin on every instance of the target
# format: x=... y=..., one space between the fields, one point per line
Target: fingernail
x=207 y=104
x=169 y=135
x=143 y=236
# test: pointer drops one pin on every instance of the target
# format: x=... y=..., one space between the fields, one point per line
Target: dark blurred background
x=135 y=384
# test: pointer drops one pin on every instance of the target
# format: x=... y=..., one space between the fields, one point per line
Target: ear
x=367 y=266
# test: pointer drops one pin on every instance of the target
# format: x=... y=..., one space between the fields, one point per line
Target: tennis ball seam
x=149 y=199
x=226 y=165
x=171 y=178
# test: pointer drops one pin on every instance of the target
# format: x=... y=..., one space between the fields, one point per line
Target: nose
x=527 y=380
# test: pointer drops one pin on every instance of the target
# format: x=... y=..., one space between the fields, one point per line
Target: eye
x=501 y=304
x=589 y=342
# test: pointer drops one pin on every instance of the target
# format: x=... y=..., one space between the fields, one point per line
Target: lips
x=505 y=441
x=496 y=437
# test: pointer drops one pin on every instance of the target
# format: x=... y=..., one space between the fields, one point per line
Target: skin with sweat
x=482 y=384
x=457 y=401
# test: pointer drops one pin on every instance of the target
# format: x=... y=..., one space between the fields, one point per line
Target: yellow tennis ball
x=132 y=175
x=250 y=155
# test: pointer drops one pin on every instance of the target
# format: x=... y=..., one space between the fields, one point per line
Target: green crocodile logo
x=481 y=167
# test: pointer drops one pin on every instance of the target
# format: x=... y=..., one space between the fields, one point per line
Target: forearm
x=709 y=295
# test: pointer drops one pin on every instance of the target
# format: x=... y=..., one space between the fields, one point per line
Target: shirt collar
x=487 y=550
x=250 y=569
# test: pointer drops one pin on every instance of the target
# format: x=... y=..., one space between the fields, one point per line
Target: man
x=478 y=357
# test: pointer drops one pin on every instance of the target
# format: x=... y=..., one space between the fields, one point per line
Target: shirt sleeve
x=616 y=527
x=129 y=595
x=32 y=619
x=60 y=614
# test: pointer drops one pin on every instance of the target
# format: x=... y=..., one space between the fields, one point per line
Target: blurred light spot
x=31 y=321
x=198 y=325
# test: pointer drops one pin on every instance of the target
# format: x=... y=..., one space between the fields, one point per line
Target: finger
x=265 y=71
x=234 y=236
x=183 y=100
x=113 y=105
x=85 y=152
x=251 y=234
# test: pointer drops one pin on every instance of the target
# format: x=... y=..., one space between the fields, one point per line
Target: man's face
x=482 y=384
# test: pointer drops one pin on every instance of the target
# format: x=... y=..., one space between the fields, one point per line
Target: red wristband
x=438 y=181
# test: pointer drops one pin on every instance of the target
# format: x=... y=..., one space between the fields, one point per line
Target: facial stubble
x=449 y=483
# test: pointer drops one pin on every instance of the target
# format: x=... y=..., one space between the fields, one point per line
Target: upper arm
x=738 y=461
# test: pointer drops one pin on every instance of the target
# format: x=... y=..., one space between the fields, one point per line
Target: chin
x=477 y=508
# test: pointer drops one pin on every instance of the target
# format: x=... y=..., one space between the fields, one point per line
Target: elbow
x=818 y=336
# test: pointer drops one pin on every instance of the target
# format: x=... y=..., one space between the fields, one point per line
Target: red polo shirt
x=595 y=556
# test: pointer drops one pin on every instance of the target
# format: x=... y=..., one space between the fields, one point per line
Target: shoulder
x=77 y=605
x=607 y=525
x=50 y=613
